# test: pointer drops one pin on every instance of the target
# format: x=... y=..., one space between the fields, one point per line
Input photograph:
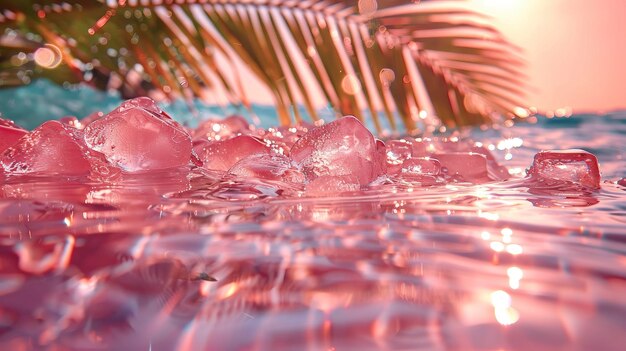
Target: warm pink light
x=575 y=49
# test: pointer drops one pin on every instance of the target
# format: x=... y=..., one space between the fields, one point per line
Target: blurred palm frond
x=397 y=57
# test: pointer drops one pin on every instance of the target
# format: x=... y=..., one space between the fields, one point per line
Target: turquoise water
x=29 y=106
x=503 y=265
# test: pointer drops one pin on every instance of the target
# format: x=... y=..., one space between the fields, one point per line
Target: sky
x=575 y=49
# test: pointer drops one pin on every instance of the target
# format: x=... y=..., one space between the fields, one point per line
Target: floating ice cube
x=221 y=129
x=398 y=151
x=138 y=136
x=281 y=139
x=343 y=147
x=52 y=148
x=72 y=122
x=573 y=165
x=265 y=166
x=421 y=165
x=325 y=185
x=90 y=118
x=464 y=166
x=423 y=170
x=222 y=155
x=8 y=123
x=9 y=135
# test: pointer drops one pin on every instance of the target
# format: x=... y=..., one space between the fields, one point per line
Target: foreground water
x=203 y=262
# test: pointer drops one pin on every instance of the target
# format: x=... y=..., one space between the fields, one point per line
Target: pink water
x=452 y=252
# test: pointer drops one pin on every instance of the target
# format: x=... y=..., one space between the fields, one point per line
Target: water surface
x=498 y=266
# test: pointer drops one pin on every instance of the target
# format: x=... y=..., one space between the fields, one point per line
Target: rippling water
x=499 y=266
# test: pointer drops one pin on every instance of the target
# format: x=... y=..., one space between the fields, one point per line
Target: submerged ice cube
x=265 y=166
x=398 y=151
x=9 y=135
x=465 y=166
x=222 y=155
x=420 y=166
x=423 y=170
x=343 y=147
x=52 y=148
x=138 y=136
x=573 y=165
x=329 y=185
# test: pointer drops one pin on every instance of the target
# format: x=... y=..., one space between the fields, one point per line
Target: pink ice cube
x=421 y=165
x=573 y=165
x=343 y=147
x=90 y=118
x=467 y=166
x=325 y=185
x=398 y=151
x=52 y=148
x=138 y=136
x=265 y=166
x=422 y=169
x=281 y=139
x=9 y=123
x=424 y=147
x=220 y=129
x=72 y=122
x=9 y=135
x=222 y=155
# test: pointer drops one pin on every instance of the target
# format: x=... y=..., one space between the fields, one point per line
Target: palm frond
x=398 y=57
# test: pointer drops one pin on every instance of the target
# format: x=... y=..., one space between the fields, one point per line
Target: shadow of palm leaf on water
x=417 y=63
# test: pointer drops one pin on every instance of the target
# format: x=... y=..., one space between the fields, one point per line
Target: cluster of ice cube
x=339 y=156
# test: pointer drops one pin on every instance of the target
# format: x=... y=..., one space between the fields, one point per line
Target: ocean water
x=168 y=261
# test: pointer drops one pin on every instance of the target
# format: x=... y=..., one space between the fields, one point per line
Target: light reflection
x=489 y=216
x=497 y=246
x=515 y=275
x=507 y=316
x=500 y=299
x=514 y=249
x=506 y=234
x=504 y=313
x=485 y=235
x=228 y=290
x=48 y=56
x=351 y=84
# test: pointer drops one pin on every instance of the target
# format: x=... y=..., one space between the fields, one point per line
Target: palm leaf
x=395 y=57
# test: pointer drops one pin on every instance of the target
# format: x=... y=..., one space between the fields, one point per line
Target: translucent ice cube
x=423 y=170
x=52 y=148
x=281 y=139
x=573 y=165
x=271 y=167
x=138 y=136
x=222 y=155
x=90 y=118
x=221 y=129
x=325 y=185
x=343 y=147
x=465 y=166
x=9 y=135
x=8 y=123
x=72 y=122
x=421 y=165
x=398 y=151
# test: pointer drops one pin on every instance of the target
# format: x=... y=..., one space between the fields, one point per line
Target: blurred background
x=574 y=52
